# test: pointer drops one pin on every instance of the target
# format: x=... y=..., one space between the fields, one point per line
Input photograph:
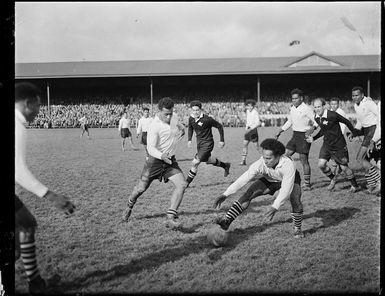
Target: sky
x=113 y=31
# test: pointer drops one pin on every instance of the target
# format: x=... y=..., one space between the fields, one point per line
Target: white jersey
x=143 y=124
x=284 y=172
x=124 y=123
x=367 y=113
x=252 y=119
x=377 y=133
x=300 y=118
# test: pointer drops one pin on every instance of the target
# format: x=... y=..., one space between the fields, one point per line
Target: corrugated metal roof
x=222 y=66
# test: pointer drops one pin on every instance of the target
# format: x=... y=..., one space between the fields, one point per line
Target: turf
x=94 y=252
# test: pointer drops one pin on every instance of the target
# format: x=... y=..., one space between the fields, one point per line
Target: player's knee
x=26 y=233
x=322 y=165
x=195 y=162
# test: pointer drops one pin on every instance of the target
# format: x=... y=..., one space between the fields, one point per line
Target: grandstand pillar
x=151 y=97
x=368 y=87
x=48 y=103
x=258 y=90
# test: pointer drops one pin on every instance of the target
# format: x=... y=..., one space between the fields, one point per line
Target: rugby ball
x=218 y=237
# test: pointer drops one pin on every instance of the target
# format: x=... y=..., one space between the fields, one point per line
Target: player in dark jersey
x=202 y=125
x=334 y=145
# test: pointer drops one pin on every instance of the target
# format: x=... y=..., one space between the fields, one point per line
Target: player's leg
x=297 y=208
x=244 y=151
x=180 y=185
x=351 y=178
x=258 y=188
x=216 y=162
x=123 y=143
x=325 y=169
x=88 y=132
x=193 y=170
x=26 y=224
x=138 y=190
x=372 y=175
x=304 y=158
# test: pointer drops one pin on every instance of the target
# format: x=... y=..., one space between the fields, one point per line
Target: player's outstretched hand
x=166 y=158
x=61 y=202
x=309 y=139
x=268 y=216
x=221 y=144
x=219 y=200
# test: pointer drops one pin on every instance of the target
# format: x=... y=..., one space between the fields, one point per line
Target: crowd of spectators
x=107 y=112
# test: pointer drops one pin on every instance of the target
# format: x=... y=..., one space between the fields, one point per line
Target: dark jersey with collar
x=202 y=128
x=330 y=129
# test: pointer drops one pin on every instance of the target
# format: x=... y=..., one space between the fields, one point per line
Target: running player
x=334 y=145
x=142 y=128
x=251 y=134
x=84 y=126
x=274 y=172
x=202 y=124
x=27 y=105
x=367 y=119
x=164 y=133
x=301 y=119
x=124 y=130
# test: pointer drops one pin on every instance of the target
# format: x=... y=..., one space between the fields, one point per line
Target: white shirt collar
x=200 y=116
x=324 y=115
x=20 y=116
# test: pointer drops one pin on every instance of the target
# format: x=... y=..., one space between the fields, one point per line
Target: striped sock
x=297 y=220
x=234 y=212
x=244 y=154
x=172 y=214
x=190 y=176
x=28 y=256
x=328 y=173
x=306 y=179
x=372 y=177
x=130 y=203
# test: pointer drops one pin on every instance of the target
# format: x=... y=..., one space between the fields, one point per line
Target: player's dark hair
x=196 y=103
x=274 y=145
x=251 y=102
x=166 y=103
x=359 y=88
x=146 y=109
x=26 y=91
x=334 y=99
x=297 y=91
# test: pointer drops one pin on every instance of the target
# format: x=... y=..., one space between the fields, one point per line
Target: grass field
x=94 y=252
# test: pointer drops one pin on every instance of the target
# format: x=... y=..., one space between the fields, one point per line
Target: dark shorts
x=84 y=127
x=23 y=217
x=251 y=135
x=375 y=155
x=204 y=149
x=155 y=168
x=274 y=186
x=368 y=135
x=143 y=139
x=340 y=156
x=298 y=143
x=125 y=133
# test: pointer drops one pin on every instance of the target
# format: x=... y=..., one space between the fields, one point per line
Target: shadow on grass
x=330 y=217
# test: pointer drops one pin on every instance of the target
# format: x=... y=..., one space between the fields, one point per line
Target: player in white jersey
x=275 y=172
x=27 y=105
x=252 y=123
x=367 y=119
x=164 y=133
x=84 y=126
x=335 y=106
x=301 y=119
x=142 y=128
x=124 y=130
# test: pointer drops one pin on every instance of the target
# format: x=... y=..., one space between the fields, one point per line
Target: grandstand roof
x=311 y=63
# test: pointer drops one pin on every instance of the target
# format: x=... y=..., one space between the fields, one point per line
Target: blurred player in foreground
x=164 y=133
x=301 y=118
x=27 y=105
x=142 y=128
x=251 y=134
x=334 y=145
x=367 y=119
x=202 y=125
x=84 y=126
x=274 y=172
x=124 y=130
